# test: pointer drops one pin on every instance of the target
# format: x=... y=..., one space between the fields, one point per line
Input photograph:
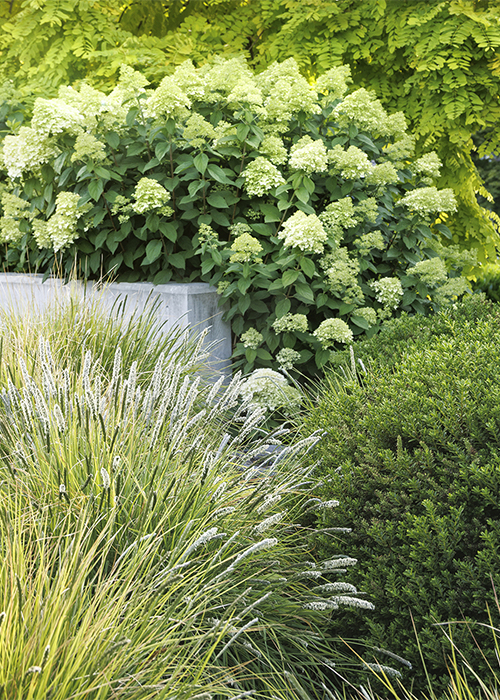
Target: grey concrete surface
x=192 y=306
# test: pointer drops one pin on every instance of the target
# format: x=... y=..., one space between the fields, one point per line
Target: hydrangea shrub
x=303 y=204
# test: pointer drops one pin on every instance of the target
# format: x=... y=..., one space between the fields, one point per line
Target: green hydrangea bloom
x=287 y=358
x=368 y=241
x=308 y=155
x=431 y=272
x=149 y=195
x=269 y=390
x=333 y=330
x=290 y=323
x=252 y=338
x=341 y=273
x=351 y=163
x=429 y=200
x=304 y=231
x=261 y=176
x=246 y=248
x=272 y=147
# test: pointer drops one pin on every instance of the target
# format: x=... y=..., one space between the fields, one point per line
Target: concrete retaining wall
x=193 y=305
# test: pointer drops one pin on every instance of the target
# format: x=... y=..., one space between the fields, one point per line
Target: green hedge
x=412 y=453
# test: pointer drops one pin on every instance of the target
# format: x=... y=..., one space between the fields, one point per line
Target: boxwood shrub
x=412 y=453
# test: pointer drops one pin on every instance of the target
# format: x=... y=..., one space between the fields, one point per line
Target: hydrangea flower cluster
x=382 y=174
x=368 y=241
x=246 y=248
x=261 y=176
x=286 y=92
x=14 y=210
x=61 y=229
x=432 y=271
x=55 y=117
x=304 y=231
x=351 y=163
x=333 y=330
x=290 y=323
x=400 y=151
x=308 y=155
x=338 y=216
x=366 y=210
x=429 y=166
x=252 y=338
x=341 y=272
x=272 y=147
x=451 y=290
x=168 y=101
x=287 y=358
x=269 y=390
x=197 y=130
x=388 y=291
x=369 y=314
x=332 y=85
x=87 y=147
x=362 y=109
x=429 y=200
x=28 y=150
x=149 y=195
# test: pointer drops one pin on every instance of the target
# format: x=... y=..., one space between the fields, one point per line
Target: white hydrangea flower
x=61 y=227
x=197 y=130
x=191 y=81
x=131 y=84
x=333 y=330
x=14 y=209
x=366 y=210
x=382 y=174
x=451 y=290
x=261 y=176
x=429 y=200
x=168 y=100
x=338 y=216
x=428 y=165
x=272 y=147
x=286 y=92
x=432 y=271
x=246 y=248
x=304 y=231
x=308 y=155
x=87 y=147
x=369 y=314
x=269 y=390
x=341 y=272
x=388 y=291
x=290 y=323
x=365 y=111
x=400 y=151
x=149 y=195
x=368 y=241
x=352 y=163
x=28 y=150
x=287 y=358
x=55 y=116
x=252 y=338
x=333 y=84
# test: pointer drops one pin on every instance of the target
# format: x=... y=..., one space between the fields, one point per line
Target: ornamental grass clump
x=149 y=531
x=290 y=198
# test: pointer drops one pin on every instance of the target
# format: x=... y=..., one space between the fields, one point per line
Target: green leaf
x=271 y=213
x=216 y=200
x=289 y=277
x=263 y=354
x=307 y=265
x=242 y=131
x=113 y=139
x=160 y=149
x=283 y=307
x=95 y=188
x=153 y=252
x=322 y=357
x=361 y=322
x=250 y=355
x=169 y=230
x=177 y=260
x=218 y=174
x=244 y=303
x=302 y=194
x=303 y=292
x=244 y=284
x=201 y=162
x=220 y=218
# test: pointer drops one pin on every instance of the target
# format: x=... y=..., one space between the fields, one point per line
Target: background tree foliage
x=439 y=62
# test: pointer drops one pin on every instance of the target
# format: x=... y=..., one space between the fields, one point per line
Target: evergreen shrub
x=412 y=452
x=305 y=205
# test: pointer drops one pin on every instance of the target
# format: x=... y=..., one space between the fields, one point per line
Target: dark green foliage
x=412 y=453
